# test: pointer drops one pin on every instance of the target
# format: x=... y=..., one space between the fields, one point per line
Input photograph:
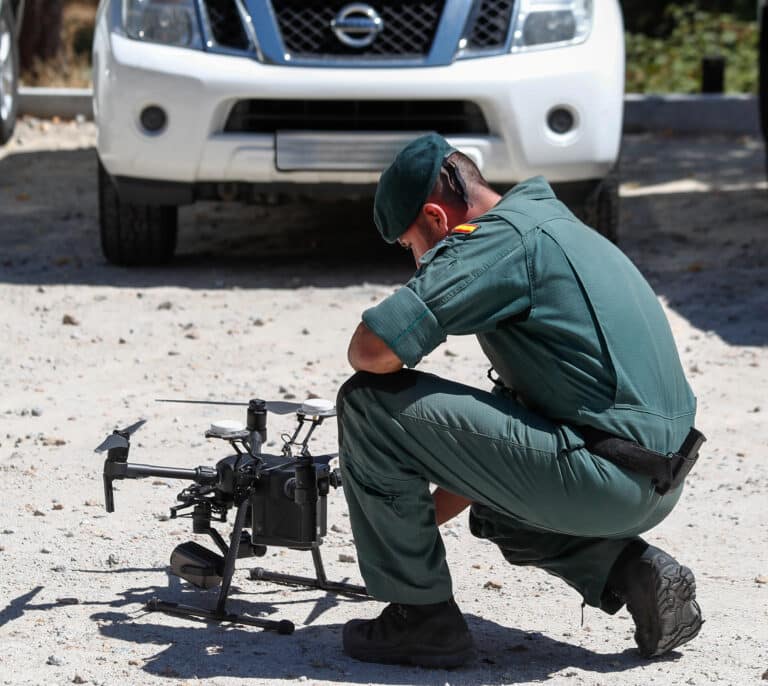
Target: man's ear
x=436 y=218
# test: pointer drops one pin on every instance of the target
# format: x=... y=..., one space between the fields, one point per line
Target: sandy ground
x=260 y=303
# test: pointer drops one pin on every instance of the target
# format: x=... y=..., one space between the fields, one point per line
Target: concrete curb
x=66 y=103
x=731 y=114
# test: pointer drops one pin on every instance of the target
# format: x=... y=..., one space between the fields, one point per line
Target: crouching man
x=582 y=446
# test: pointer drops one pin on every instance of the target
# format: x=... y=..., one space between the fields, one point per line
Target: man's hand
x=448 y=505
x=368 y=353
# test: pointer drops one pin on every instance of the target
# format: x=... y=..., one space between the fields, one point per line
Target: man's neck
x=484 y=200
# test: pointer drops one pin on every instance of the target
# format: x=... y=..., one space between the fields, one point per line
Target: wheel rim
x=7 y=70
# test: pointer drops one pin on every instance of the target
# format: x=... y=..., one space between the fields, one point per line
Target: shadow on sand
x=694 y=214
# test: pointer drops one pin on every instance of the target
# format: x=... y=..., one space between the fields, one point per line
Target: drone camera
x=197 y=564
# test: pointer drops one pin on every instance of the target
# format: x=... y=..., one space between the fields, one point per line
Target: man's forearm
x=368 y=353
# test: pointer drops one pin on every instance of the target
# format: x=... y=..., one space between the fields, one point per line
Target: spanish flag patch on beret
x=464 y=228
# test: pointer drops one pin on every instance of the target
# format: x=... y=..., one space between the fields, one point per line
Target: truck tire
x=134 y=234
x=763 y=67
x=600 y=209
x=9 y=73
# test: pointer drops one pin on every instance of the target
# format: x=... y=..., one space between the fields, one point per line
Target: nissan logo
x=357 y=25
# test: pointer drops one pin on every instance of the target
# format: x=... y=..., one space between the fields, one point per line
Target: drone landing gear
x=320 y=581
x=232 y=553
x=220 y=614
x=169 y=608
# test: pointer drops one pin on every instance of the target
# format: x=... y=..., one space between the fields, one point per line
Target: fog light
x=153 y=118
x=560 y=120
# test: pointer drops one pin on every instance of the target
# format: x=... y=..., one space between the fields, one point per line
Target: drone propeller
x=119 y=437
x=283 y=406
x=276 y=406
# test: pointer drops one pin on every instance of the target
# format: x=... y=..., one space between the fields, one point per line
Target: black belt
x=667 y=471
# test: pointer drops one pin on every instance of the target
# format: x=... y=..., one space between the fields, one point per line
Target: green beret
x=406 y=184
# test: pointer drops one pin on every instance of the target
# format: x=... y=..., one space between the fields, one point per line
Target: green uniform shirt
x=564 y=317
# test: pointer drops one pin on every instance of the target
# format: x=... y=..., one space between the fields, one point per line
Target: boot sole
x=670 y=615
x=419 y=657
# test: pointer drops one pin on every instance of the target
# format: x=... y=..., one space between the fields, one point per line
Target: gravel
x=274 y=294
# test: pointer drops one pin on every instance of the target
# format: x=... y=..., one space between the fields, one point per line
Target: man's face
x=425 y=233
x=414 y=240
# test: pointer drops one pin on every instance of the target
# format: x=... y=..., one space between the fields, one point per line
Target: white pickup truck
x=10 y=23
x=230 y=99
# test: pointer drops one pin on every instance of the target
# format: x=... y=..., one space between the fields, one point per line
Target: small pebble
x=344 y=557
x=69 y=320
x=54 y=660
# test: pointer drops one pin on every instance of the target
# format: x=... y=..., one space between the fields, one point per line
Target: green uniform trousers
x=537 y=492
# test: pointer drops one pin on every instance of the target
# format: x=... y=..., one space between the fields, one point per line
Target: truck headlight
x=171 y=22
x=549 y=23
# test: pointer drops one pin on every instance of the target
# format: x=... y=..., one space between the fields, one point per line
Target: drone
x=279 y=500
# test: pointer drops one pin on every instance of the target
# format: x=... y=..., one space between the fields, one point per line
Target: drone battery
x=288 y=505
x=198 y=565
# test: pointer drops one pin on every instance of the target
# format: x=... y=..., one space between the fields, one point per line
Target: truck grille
x=444 y=116
x=408 y=28
x=489 y=27
x=225 y=24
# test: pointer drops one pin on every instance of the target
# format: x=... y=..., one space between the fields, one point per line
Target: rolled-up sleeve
x=465 y=285
x=406 y=325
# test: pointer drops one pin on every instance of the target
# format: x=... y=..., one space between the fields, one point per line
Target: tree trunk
x=40 y=31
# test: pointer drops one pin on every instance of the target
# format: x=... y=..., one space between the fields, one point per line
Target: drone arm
x=116 y=466
x=201 y=475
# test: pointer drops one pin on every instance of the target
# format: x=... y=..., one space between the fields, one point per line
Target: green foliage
x=673 y=64
x=648 y=16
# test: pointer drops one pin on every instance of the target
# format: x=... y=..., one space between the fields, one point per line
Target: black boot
x=660 y=594
x=426 y=635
